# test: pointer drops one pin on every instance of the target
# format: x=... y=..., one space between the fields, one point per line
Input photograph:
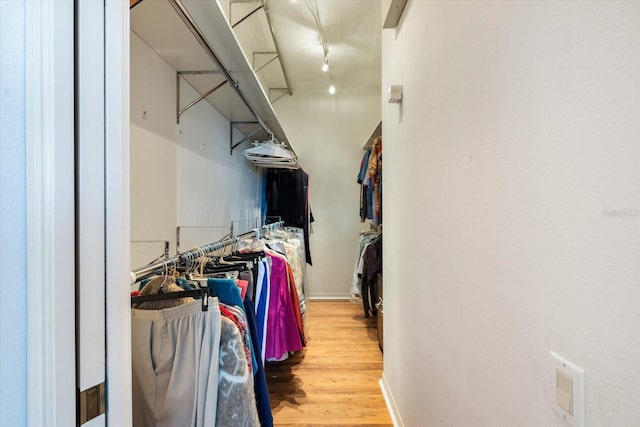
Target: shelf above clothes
x=256 y=33
x=374 y=134
x=195 y=39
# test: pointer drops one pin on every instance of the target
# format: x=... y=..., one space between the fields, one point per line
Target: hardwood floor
x=334 y=381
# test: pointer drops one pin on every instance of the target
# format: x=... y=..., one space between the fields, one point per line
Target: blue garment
x=366 y=202
x=184 y=284
x=228 y=293
x=143 y=283
x=262 y=307
x=369 y=195
x=364 y=166
x=377 y=219
x=260 y=378
x=226 y=290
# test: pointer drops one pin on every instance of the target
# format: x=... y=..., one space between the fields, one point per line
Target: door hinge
x=91 y=403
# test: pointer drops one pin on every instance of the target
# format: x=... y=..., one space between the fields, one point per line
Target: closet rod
x=162 y=266
x=197 y=33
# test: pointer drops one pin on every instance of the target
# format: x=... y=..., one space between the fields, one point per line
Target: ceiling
x=351 y=29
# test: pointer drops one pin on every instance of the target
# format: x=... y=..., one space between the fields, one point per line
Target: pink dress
x=282 y=329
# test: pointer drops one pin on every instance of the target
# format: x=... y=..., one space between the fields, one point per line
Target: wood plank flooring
x=334 y=381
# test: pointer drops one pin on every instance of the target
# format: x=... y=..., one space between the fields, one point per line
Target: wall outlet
x=568 y=391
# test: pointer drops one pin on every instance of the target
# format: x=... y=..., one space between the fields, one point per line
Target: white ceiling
x=351 y=29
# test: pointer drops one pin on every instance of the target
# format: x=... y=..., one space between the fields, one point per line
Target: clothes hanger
x=222 y=264
x=195 y=293
x=272 y=148
x=200 y=278
x=160 y=296
x=173 y=272
x=271 y=154
x=256 y=240
x=165 y=275
x=192 y=265
x=203 y=260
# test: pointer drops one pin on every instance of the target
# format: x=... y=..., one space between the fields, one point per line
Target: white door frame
x=118 y=304
x=50 y=213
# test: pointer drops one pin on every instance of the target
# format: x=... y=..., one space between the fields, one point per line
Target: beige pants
x=175 y=360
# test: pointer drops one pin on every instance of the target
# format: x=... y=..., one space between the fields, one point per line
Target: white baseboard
x=391 y=403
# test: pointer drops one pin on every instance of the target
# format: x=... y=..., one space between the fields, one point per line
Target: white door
x=77 y=115
x=90 y=212
x=101 y=116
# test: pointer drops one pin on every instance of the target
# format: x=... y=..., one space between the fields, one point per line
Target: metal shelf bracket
x=244 y=17
x=180 y=111
x=272 y=56
x=276 y=93
x=232 y=146
x=265 y=7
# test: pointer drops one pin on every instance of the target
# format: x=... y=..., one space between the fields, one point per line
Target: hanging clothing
x=229 y=312
x=175 y=353
x=153 y=286
x=260 y=380
x=374 y=171
x=236 y=399
x=201 y=361
x=372 y=266
x=366 y=237
x=366 y=188
x=290 y=242
x=282 y=327
x=296 y=304
x=263 y=297
x=249 y=277
x=288 y=198
x=228 y=293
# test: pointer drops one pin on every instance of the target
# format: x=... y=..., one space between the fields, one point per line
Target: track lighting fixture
x=325 y=63
x=312 y=5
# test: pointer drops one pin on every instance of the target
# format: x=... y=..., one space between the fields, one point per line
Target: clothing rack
x=162 y=266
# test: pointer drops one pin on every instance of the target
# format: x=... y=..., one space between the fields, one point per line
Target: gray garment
x=175 y=354
x=248 y=276
x=236 y=398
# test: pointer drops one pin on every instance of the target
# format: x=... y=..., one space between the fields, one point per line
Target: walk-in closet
x=256 y=214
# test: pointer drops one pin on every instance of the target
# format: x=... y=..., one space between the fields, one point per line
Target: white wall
x=154 y=190
x=13 y=205
x=215 y=188
x=516 y=151
x=328 y=132
x=181 y=174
